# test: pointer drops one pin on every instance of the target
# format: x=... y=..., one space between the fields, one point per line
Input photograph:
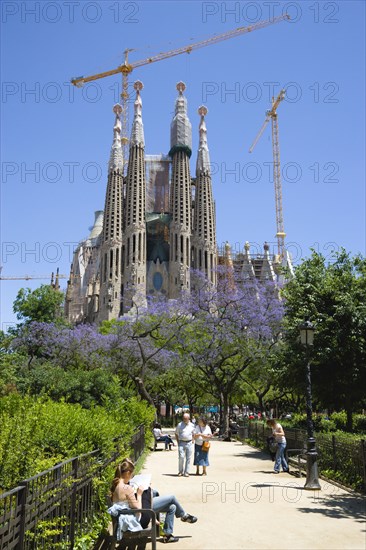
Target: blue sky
x=55 y=140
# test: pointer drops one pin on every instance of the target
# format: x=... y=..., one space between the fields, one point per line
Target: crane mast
x=126 y=68
x=272 y=115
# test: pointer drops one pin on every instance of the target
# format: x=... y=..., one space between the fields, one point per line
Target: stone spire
x=137 y=132
x=57 y=280
x=116 y=156
x=181 y=128
x=247 y=270
x=180 y=198
x=111 y=237
x=229 y=266
x=97 y=226
x=203 y=157
x=204 y=224
x=267 y=271
x=134 y=279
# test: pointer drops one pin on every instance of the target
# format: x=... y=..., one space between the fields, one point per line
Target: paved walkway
x=242 y=504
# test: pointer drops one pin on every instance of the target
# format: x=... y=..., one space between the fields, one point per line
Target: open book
x=141 y=479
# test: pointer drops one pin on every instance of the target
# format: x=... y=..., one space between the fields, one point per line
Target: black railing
x=48 y=511
x=338 y=459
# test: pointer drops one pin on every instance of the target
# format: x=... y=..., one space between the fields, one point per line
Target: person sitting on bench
x=159 y=436
x=123 y=494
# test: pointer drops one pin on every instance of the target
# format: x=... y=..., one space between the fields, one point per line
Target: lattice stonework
x=204 y=248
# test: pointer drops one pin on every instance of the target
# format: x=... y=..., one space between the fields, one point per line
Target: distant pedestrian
x=184 y=435
x=279 y=435
x=202 y=433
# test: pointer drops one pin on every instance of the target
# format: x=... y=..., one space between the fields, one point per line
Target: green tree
x=42 y=304
x=333 y=297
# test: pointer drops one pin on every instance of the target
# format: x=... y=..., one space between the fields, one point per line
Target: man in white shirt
x=184 y=435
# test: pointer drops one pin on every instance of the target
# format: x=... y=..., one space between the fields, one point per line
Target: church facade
x=158 y=224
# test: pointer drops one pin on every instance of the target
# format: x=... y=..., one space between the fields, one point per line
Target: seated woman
x=159 y=436
x=124 y=497
x=123 y=494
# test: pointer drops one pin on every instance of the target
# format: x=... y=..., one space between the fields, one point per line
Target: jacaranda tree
x=233 y=326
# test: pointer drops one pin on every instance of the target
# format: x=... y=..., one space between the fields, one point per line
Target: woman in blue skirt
x=201 y=433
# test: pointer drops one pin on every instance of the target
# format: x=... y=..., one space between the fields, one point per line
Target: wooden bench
x=156 y=443
x=135 y=540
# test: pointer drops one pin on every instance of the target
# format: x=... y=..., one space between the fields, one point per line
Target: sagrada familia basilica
x=158 y=224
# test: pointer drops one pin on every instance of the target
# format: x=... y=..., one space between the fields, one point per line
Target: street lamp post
x=312 y=478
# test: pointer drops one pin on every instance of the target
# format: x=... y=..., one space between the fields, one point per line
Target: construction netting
x=157 y=183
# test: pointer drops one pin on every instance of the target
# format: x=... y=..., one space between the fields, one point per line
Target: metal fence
x=342 y=460
x=49 y=510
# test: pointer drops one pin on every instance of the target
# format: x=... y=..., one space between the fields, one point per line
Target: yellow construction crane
x=272 y=114
x=126 y=68
x=29 y=277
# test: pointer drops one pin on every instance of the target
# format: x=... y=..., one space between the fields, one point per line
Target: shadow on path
x=339 y=506
x=258 y=455
x=287 y=486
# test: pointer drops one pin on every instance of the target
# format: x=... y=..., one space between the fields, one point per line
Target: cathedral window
x=117 y=261
x=111 y=264
x=105 y=268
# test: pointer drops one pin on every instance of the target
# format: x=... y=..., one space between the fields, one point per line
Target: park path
x=242 y=504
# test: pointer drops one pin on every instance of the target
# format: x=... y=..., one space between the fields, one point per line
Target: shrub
x=359 y=423
x=36 y=433
x=340 y=419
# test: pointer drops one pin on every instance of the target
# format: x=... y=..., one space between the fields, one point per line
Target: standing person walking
x=184 y=434
x=201 y=434
x=279 y=435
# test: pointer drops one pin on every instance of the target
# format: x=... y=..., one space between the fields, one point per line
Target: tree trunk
x=144 y=394
x=225 y=414
x=349 y=423
x=261 y=395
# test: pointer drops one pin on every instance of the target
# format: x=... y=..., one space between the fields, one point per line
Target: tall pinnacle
x=137 y=132
x=116 y=156
x=181 y=128
x=203 y=158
